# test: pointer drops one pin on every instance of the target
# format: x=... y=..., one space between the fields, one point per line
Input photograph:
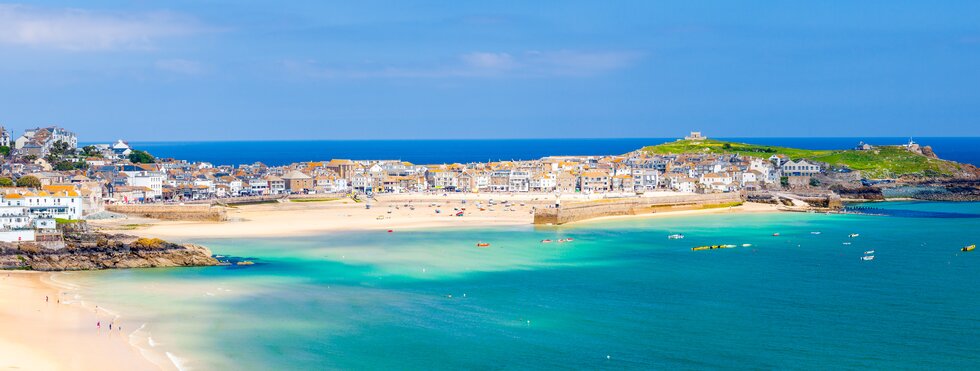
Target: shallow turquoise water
x=621 y=296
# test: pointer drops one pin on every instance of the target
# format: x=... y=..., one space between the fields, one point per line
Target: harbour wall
x=172 y=212
x=578 y=211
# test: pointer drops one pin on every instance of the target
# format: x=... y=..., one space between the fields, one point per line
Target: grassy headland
x=880 y=162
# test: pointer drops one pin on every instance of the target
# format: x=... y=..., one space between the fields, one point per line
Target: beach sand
x=387 y=212
x=39 y=335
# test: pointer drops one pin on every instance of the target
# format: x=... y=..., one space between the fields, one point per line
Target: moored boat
x=711 y=247
x=852 y=235
x=868 y=257
x=482 y=244
x=546 y=241
x=969 y=248
x=675 y=236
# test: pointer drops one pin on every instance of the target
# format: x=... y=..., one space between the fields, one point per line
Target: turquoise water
x=620 y=296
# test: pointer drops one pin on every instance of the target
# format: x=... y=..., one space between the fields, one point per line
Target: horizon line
x=514 y=139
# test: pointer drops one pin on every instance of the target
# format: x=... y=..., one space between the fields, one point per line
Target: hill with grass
x=880 y=162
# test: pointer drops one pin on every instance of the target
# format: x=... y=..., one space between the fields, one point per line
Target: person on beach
x=110 y=326
x=98 y=324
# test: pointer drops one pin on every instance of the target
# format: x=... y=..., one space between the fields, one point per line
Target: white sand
x=39 y=335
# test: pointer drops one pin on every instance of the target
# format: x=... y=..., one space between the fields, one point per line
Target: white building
x=149 y=179
x=46 y=137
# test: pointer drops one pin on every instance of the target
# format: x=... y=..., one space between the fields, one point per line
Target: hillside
x=881 y=162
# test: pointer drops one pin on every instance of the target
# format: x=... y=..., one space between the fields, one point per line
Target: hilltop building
x=39 y=141
x=695 y=135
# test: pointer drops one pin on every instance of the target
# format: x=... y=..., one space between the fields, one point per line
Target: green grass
x=313 y=200
x=66 y=221
x=719 y=206
x=882 y=162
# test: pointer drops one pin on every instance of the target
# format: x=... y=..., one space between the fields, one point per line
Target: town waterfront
x=619 y=296
x=274 y=153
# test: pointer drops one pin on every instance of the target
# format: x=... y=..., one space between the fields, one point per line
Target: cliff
x=86 y=249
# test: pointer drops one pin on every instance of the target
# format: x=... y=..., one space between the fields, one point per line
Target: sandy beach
x=387 y=212
x=59 y=333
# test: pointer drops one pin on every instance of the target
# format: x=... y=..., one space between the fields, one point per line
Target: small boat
x=869 y=252
x=969 y=248
x=546 y=241
x=852 y=235
x=389 y=231
x=711 y=247
x=868 y=257
x=569 y=240
x=562 y=240
x=482 y=244
x=775 y=234
x=245 y=262
x=845 y=243
x=675 y=236
x=814 y=232
x=746 y=245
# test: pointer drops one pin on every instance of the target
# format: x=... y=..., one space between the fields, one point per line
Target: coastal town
x=48 y=177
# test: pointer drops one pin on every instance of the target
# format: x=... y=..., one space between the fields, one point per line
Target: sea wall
x=172 y=212
x=578 y=211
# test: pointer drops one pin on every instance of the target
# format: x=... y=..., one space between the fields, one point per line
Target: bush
x=29 y=182
x=6 y=182
x=141 y=157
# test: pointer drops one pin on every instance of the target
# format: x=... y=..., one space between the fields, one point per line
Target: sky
x=251 y=70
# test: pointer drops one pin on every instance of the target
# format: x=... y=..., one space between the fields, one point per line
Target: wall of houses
x=579 y=211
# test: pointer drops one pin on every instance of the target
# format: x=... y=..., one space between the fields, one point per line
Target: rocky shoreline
x=85 y=249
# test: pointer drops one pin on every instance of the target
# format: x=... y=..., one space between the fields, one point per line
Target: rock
x=86 y=249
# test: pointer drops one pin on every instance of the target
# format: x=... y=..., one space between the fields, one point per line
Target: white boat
x=814 y=232
x=852 y=235
x=869 y=252
x=676 y=236
x=845 y=243
x=868 y=257
x=746 y=244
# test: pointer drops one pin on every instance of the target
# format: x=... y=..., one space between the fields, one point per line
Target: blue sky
x=232 y=70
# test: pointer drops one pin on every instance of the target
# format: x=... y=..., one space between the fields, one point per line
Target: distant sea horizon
x=437 y=151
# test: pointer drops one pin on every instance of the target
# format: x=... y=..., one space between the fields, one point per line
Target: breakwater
x=578 y=211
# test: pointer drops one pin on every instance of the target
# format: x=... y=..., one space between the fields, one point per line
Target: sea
x=620 y=295
x=961 y=149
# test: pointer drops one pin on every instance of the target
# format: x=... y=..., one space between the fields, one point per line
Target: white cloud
x=182 y=66
x=81 y=30
x=483 y=64
x=490 y=61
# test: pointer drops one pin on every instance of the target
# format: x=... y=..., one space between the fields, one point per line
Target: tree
x=727 y=146
x=60 y=148
x=69 y=165
x=140 y=157
x=4 y=150
x=6 y=182
x=91 y=151
x=814 y=182
x=30 y=158
x=29 y=182
x=784 y=181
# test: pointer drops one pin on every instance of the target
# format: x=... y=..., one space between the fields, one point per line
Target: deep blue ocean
x=965 y=149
